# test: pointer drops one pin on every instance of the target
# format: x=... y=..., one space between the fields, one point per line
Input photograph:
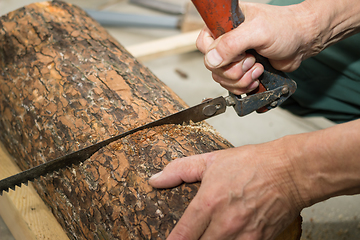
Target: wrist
x=326 y=22
x=284 y=170
x=325 y=163
x=300 y=171
x=310 y=29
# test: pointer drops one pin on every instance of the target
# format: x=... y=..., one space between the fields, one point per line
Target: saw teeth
x=74 y=161
x=1 y=192
x=14 y=187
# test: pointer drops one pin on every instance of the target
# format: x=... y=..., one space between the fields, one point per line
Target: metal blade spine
x=194 y=114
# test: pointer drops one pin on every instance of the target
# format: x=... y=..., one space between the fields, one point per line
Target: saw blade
x=196 y=113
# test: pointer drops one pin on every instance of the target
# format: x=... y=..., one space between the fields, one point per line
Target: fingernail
x=213 y=58
x=256 y=73
x=248 y=63
x=155 y=176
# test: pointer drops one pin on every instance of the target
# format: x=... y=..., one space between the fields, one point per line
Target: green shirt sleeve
x=329 y=83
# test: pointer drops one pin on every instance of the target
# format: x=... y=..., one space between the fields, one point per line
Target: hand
x=240 y=76
x=275 y=32
x=244 y=193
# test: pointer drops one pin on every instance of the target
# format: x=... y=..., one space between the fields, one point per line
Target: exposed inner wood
x=23 y=211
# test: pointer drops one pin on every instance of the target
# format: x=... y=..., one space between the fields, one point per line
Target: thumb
x=231 y=46
x=189 y=169
x=223 y=51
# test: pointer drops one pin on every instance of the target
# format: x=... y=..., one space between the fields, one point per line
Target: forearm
x=326 y=163
x=331 y=20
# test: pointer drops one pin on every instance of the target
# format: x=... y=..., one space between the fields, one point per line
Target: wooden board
x=65 y=84
x=181 y=43
x=23 y=211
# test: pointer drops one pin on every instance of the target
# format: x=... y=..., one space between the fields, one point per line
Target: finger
x=248 y=82
x=204 y=40
x=216 y=230
x=236 y=69
x=235 y=74
x=288 y=65
x=193 y=223
x=231 y=222
x=226 y=231
x=239 y=87
x=240 y=91
x=226 y=47
x=189 y=169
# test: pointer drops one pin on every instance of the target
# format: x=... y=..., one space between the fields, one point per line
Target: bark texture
x=65 y=83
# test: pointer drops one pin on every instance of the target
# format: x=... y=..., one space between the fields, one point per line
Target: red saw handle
x=222 y=16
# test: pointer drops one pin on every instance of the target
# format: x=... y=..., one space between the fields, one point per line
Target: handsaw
x=274 y=89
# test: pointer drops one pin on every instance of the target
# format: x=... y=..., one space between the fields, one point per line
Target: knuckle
x=234 y=72
x=234 y=224
x=244 y=83
x=237 y=91
x=181 y=235
x=227 y=88
x=217 y=78
x=227 y=44
x=213 y=201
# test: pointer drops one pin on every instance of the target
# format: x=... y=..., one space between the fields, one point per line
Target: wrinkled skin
x=229 y=204
x=253 y=192
x=237 y=71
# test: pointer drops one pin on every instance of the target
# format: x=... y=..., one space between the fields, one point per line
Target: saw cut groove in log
x=65 y=83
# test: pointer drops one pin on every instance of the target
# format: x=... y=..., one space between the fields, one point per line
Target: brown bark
x=65 y=83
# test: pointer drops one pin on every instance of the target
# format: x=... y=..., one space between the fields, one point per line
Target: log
x=65 y=83
x=23 y=211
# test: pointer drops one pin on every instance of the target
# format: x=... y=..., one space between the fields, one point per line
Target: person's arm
x=253 y=192
x=286 y=35
x=327 y=162
x=335 y=20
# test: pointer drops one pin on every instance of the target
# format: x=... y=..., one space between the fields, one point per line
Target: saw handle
x=222 y=16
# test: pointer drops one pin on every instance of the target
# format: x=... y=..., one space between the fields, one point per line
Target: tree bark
x=65 y=83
